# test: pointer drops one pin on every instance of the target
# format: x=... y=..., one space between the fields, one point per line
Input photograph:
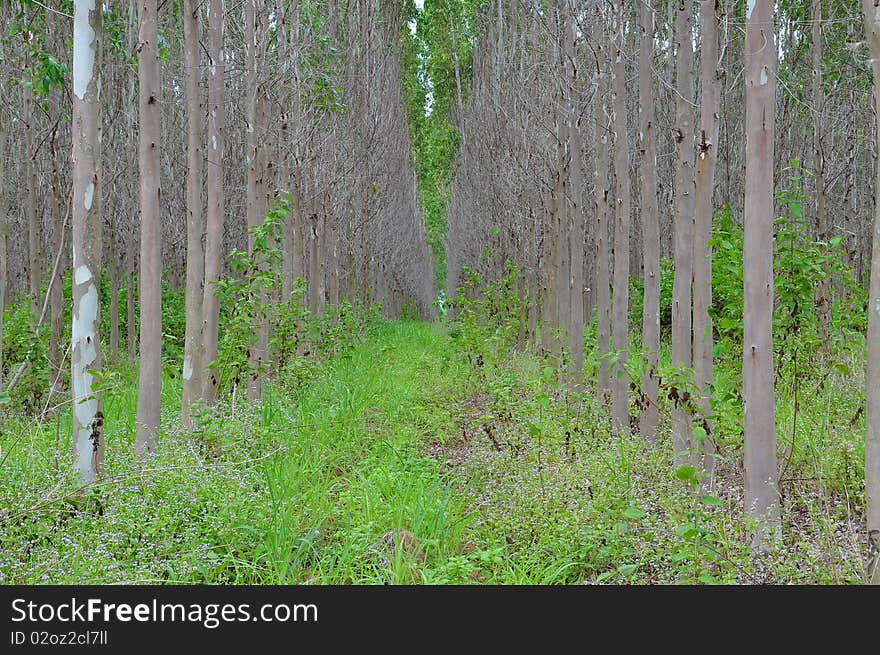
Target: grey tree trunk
x=4 y=262
x=256 y=195
x=88 y=440
x=602 y=188
x=823 y=297
x=149 y=280
x=650 y=413
x=216 y=208
x=576 y=209
x=130 y=320
x=684 y=224
x=622 y=203
x=30 y=205
x=761 y=474
x=872 y=392
x=195 y=261
x=707 y=148
x=56 y=296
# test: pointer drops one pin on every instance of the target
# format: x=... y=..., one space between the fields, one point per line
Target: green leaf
x=633 y=513
x=627 y=569
x=604 y=576
x=686 y=473
x=686 y=530
x=534 y=429
x=711 y=500
x=4 y=397
x=543 y=400
x=700 y=433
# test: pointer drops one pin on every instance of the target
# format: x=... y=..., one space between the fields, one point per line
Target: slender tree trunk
x=30 y=205
x=256 y=195
x=602 y=188
x=684 y=224
x=4 y=264
x=872 y=393
x=130 y=319
x=761 y=474
x=316 y=268
x=56 y=295
x=216 y=209
x=88 y=441
x=115 y=286
x=575 y=199
x=707 y=147
x=195 y=261
x=150 y=280
x=823 y=298
x=622 y=203
x=650 y=414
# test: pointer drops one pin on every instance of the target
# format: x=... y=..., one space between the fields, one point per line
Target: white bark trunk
x=88 y=441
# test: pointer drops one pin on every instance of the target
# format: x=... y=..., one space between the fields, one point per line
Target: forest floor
x=403 y=461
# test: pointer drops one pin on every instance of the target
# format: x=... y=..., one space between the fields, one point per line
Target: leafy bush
x=488 y=316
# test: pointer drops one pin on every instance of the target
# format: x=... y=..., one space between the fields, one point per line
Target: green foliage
x=444 y=34
x=727 y=275
x=488 y=316
x=637 y=295
x=248 y=296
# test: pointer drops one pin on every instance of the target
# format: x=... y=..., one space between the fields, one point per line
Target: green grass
x=302 y=487
x=403 y=460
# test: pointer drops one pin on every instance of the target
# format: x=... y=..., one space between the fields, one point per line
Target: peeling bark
x=88 y=441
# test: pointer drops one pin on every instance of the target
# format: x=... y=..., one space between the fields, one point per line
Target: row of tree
x=551 y=167
x=190 y=123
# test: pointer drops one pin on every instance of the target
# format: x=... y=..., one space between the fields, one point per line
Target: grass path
x=357 y=500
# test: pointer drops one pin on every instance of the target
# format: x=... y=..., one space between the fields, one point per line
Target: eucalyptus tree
x=215 y=216
x=4 y=256
x=872 y=378
x=684 y=226
x=257 y=125
x=649 y=418
x=88 y=421
x=823 y=299
x=711 y=76
x=759 y=426
x=195 y=259
x=622 y=204
x=150 y=278
x=602 y=191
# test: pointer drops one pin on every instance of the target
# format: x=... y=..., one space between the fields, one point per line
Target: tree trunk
x=761 y=474
x=602 y=189
x=216 y=209
x=620 y=303
x=130 y=320
x=150 y=280
x=872 y=392
x=56 y=295
x=256 y=195
x=30 y=205
x=705 y=191
x=823 y=298
x=575 y=199
x=88 y=441
x=195 y=262
x=650 y=414
x=4 y=264
x=684 y=225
